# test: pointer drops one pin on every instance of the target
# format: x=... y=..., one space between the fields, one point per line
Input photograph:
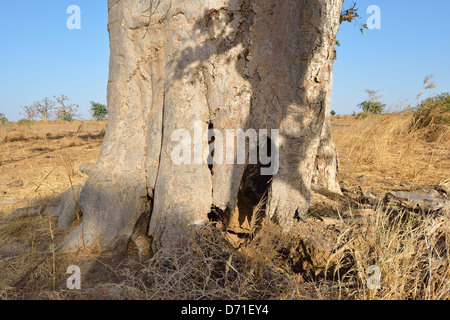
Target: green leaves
x=68 y=117
x=364 y=26
x=372 y=104
x=374 y=107
x=3 y=119
x=99 y=111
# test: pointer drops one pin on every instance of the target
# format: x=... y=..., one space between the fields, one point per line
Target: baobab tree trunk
x=179 y=68
x=327 y=161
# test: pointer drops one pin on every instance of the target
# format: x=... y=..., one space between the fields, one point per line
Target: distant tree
x=99 y=111
x=333 y=113
x=68 y=117
x=29 y=112
x=3 y=119
x=64 y=111
x=372 y=104
x=44 y=108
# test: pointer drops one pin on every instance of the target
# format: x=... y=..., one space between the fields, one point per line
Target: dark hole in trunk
x=211 y=140
x=253 y=193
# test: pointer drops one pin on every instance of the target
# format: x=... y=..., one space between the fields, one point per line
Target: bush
x=432 y=112
x=372 y=104
x=25 y=122
x=99 y=111
x=3 y=119
x=372 y=107
x=68 y=117
x=363 y=115
x=366 y=115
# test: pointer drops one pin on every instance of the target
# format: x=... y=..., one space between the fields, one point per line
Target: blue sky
x=414 y=41
x=40 y=57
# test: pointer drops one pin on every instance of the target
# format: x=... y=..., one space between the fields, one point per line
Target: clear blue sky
x=414 y=41
x=40 y=57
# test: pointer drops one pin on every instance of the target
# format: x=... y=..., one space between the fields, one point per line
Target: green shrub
x=365 y=115
x=3 y=119
x=372 y=104
x=68 y=117
x=25 y=122
x=372 y=107
x=99 y=111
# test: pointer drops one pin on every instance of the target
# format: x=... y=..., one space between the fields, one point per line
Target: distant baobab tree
x=64 y=110
x=44 y=108
x=29 y=112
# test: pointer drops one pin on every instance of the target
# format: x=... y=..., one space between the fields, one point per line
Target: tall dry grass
x=202 y=268
x=385 y=148
x=410 y=250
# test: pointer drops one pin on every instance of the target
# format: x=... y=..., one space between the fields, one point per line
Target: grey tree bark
x=327 y=161
x=227 y=64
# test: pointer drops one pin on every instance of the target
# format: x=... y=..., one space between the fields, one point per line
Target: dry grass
x=205 y=268
x=384 y=149
x=412 y=250
x=34 y=160
x=25 y=241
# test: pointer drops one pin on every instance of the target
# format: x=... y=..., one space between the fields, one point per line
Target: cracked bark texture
x=327 y=161
x=231 y=64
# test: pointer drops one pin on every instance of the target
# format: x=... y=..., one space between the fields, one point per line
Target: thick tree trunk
x=179 y=68
x=327 y=161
